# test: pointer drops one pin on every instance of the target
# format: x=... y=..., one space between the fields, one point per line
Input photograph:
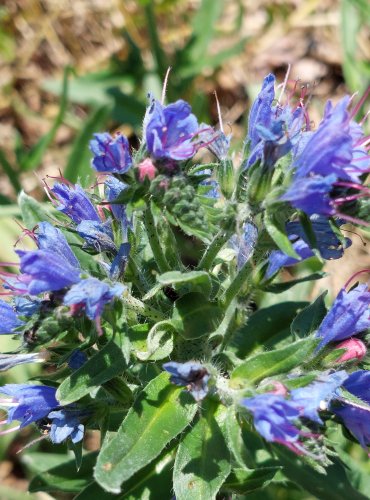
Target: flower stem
x=216 y=244
x=237 y=283
x=141 y=308
x=154 y=241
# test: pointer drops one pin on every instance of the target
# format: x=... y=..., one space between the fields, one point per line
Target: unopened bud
x=278 y=388
x=355 y=349
x=146 y=170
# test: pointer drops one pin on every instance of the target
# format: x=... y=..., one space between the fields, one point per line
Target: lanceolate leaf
x=244 y=481
x=32 y=211
x=266 y=325
x=309 y=319
x=195 y=315
x=64 y=477
x=271 y=363
x=159 y=414
x=202 y=461
x=104 y=366
x=333 y=485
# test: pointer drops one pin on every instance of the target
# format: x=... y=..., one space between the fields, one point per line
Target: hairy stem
x=154 y=242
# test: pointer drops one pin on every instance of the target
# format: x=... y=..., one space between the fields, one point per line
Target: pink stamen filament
x=363 y=271
x=353 y=185
x=353 y=220
x=358 y=106
x=340 y=201
x=8 y=431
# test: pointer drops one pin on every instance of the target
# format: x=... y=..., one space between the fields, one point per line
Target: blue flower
x=279 y=259
x=74 y=202
x=97 y=235
x=312 y=195
x=44 y=271
x=77 y=359
x=317 y=395
x=328 y=244
x=169 y=130
x=215 y=140
x=111 y=154
x=28 y=403
x=348 y=316
x=8 y=361
x=66 y=423
x=274 y=418
x=26 y=307
x=92 y=295
x=261 y=113
x=9 y=320
x=244 y=243
x=191 y=374
x=273 y=129
x=355 y=415
x=113 y=188
x=51 y=239
x=119 y=263
x=329 y=149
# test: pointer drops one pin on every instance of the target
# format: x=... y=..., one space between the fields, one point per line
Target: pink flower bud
x=279 y=388
x=146 y=169
x=355 y=349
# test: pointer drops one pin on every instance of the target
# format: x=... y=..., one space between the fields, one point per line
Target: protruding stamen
x=363 y=271
x=219 y=112
x=284 y=83
x=358 y=106
x=8 y=431
x=164 y=88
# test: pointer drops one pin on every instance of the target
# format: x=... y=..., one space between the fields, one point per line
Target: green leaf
x=274 y=362
x=282 y=287
x=202 y=461
x=159 y=342
x=64 y=477
x=310 y=318
x=333 y=485
x=266 y=325
x=244 y=481
x=32 y=211
x=152 y=482
x=39 y=462
x=195 y=316
x=78 y=165
x=196 y=281
x=103 y=366
x=235 y=442
x=276 y=229
x=159 y=414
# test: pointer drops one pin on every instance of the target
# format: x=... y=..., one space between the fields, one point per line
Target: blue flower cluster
x=100 y=252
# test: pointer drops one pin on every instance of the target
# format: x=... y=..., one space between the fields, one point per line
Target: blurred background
x=69 y=68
